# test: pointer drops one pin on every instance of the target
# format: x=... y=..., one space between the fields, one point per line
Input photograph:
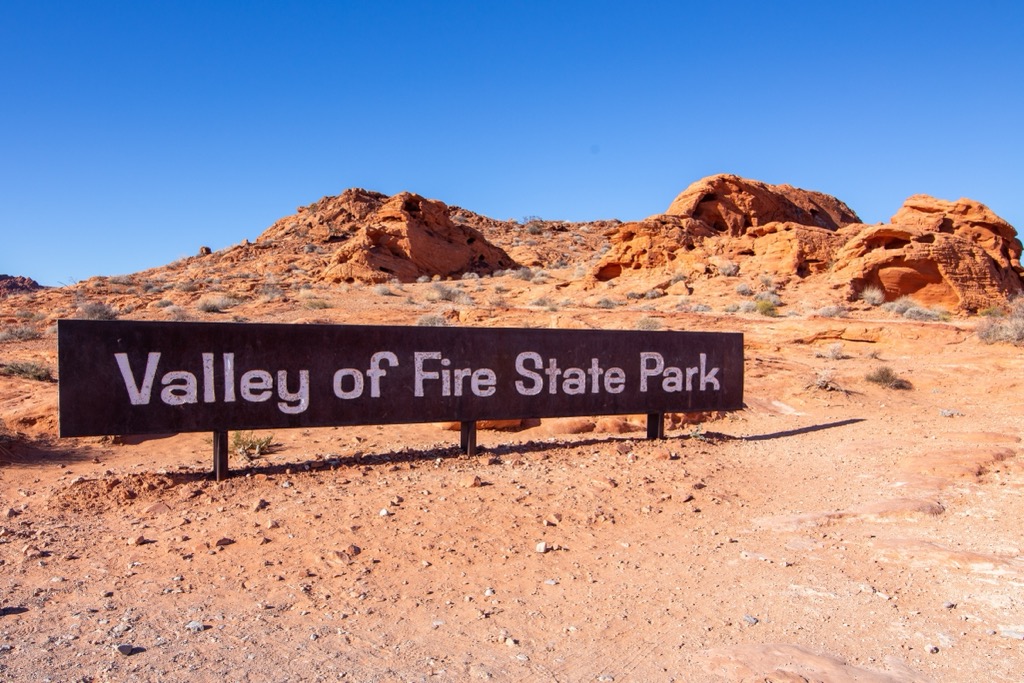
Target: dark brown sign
x=127 y=377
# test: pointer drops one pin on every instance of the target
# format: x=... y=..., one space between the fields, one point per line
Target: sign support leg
x=469 y=437
x=220 y=456
x=655 y=425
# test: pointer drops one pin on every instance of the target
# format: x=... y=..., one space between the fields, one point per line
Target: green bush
x=767 y=307
x=28 y=370
x=887 y=377
x=19 y=333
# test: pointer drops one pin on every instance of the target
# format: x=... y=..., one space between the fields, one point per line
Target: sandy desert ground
x=834 y=530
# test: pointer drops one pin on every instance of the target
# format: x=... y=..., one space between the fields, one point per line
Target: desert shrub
x=96 y=310
x=873 y=296
x=992 y=312
x=766 y=307
x=187 y=286
x=925 y=314
x=833 y=352
x=423 y=279
x=887 y=377
x=523 y=273
x=727 y=268
x=825 y=380
x=442 y=292
x=732 y=308
x=316 y=304
x=28 y=370
x=743 y=289
x=271 y=292
x=653 y=294
x=833 y=311
x=383 y=290
x=993 y=330
x=250 y=446
x=216 y=303
x=432 y=320
x=648 y=324
x=899 y=306
x=679 y=277
x=163 y=303
x=498 y=301
x=687 y=306
x=177 y=313
x=767 y=282
x=770 y=297
x=470 y=276
x=19 y=333
x=607 y=303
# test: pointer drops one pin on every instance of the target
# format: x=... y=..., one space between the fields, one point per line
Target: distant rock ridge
x=959 y=255
x=14 y=284
x=371 y=237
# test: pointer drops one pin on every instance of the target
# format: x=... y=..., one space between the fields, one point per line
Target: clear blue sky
x=132 y=133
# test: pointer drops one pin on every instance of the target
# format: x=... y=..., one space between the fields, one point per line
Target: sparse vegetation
x=1009 y=328
x=833 y=352
x=607 y=303
x=766 y=307
x=743 y=289
x=727 y=268
x=908 y=308
x=249 y=446
x=432 y=320
x=27 y=370
x=873 y=296
x=383 y=290
x=770 y=297
x=442 y=292
x=96 y=310
x=317 y=304
x=649 y=324
x=885 y=376
x=163 y=303
x=216 y=303
x=836 y=311
x=19 y=333
x=825 y=380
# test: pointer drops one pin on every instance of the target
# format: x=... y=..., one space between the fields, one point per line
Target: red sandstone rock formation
x=13 y=284
x=375 y=238
x=764 y=228
x=959 y=255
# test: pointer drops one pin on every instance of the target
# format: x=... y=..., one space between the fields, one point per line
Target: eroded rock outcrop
x=14 y=284
x=958 y=255
x=777 y=229
x=731 y=204
x=371 y=237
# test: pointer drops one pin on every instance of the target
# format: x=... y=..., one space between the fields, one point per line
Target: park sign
x=132 y=377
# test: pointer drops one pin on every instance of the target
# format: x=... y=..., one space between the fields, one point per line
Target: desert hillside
x=857 y=521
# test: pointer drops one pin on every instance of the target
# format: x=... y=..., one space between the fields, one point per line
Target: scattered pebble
x=470 y=481
x=221 y=542
x=949 y=605
x=125 y=648
x=259 y=505
x=384 y=512
x=489 y=592
x=750 y=619
x=542 y=547
x=195 y=627
x=932 y=649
